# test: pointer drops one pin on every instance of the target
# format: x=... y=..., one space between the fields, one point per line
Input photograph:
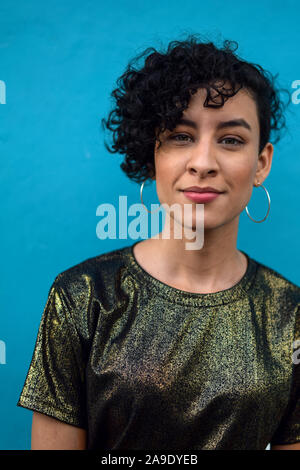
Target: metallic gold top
x=143 y=365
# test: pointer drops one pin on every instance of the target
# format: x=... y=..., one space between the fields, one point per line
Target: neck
x=217 y=265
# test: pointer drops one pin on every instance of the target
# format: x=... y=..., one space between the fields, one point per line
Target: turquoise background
x=60 y=60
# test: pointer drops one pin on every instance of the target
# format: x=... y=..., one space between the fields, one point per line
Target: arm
x=295 y=446
x=55 y=384
x=289 y=428
x=51 y=434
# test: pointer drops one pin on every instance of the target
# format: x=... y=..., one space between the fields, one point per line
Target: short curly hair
x=152 y=98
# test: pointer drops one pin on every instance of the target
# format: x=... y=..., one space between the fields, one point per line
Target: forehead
x=241 y=105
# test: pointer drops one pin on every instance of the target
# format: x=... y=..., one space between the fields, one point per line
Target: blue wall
x=59 y=61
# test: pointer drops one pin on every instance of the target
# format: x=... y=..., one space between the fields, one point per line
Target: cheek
x=240 y=182
x=240 y=173
x=165 y=170
x=165 y=182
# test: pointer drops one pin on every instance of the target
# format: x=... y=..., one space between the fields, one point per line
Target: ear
x=264 y=162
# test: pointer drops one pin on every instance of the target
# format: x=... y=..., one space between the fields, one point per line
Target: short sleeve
x=288 y=431
x=55 y=381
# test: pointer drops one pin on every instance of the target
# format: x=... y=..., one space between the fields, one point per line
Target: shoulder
x=276 y=283
x=95 y=271
x=280 y=295
x=92 y=286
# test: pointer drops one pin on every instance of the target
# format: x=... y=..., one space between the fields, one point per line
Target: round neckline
x=193 y=298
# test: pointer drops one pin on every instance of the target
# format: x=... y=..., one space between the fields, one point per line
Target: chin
x=207 y=225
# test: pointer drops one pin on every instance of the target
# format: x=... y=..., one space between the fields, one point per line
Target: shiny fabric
x=144 y=365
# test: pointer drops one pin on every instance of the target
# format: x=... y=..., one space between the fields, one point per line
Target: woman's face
x=206 y=154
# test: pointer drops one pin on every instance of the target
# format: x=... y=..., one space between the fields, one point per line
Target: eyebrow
x=220 y=125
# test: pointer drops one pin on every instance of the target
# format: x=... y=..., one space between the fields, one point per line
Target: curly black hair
x=152 y=98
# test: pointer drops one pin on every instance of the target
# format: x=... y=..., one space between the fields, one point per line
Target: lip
x=197 y=189
x=200 y=196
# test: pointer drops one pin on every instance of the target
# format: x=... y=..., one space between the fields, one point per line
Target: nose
x=202 y=158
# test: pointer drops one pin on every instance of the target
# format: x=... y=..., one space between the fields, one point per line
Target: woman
x=156 y=346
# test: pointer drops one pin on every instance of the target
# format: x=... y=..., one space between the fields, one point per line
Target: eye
x=235 y=142
x=174 y=137
x=232 y=141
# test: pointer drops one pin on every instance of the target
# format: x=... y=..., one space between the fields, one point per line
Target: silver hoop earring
x=269 y=200
x=142 y=187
